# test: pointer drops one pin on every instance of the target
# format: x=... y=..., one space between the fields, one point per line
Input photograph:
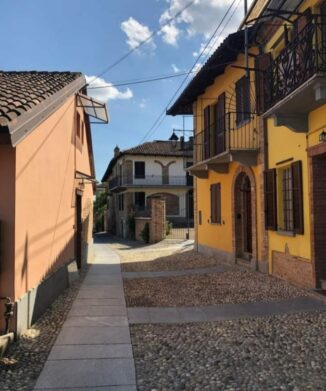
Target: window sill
x=285 y=233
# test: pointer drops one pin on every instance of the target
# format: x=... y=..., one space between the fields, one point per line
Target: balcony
x=215 y=149
x=119 y=183
x=295 y=82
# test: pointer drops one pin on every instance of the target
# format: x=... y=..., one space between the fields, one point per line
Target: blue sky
x=89 y=35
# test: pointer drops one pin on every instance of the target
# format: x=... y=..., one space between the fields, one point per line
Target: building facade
x=292 y=90
x=260 y=143
x=228 y=156
x=156 y=168
x=46 y=172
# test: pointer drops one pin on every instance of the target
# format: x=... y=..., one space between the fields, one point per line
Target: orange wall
x=45 y=197
x=7 y=218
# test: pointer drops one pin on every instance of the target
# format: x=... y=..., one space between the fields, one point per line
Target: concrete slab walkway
x=139 y=315
x=93 y=351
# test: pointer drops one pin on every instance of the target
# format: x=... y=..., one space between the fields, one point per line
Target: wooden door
x=247 y=221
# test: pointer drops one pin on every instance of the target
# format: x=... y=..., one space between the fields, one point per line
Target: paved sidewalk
x=178 y=273
x=93 y=351
x=172 y=315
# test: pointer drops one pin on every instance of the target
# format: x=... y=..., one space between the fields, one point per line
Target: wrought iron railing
x=236 y=136
x=301 y=59
x=151 y=180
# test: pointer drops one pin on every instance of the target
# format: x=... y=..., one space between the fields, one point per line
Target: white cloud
x=143 y=103
x=175 y=68
x=136 y=33
x=171 y=34
x=106 y=93
x=201 y=18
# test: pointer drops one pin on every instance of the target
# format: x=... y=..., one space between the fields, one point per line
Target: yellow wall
x=285 y=144
x=215 y=235
x=317 y=124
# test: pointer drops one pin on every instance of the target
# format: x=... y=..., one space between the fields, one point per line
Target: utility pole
x=246 y=39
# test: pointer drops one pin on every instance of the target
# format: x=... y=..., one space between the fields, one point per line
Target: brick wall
x=317 y=167
x=139 y=226
x=157 y=223
x=296 y=270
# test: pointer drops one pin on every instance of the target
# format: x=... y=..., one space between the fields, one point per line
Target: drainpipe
x=9 y=311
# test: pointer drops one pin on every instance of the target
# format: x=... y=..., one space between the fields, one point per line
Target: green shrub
x=145 y=233
x=168 y=227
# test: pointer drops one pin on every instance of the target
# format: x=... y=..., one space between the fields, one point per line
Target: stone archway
x=244 y=215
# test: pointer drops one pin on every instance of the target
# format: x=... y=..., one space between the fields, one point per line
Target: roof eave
x=23 y=125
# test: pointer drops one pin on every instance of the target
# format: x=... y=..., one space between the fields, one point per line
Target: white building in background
x=156 y=168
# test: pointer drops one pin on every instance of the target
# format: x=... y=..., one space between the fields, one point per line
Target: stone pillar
x=158 y=218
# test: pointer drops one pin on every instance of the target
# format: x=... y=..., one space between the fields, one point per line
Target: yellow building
x=260 y=154
x=292 y=94
x=228 y=155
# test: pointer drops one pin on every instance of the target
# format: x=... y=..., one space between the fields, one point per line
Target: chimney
x=116 y=151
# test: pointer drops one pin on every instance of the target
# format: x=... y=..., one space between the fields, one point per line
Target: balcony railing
x=301 y=59
x=150 y=180
x=237 y=136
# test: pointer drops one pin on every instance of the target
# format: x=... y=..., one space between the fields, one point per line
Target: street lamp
x=322 y=137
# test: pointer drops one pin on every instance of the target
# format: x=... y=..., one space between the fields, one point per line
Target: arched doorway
x=243 y=214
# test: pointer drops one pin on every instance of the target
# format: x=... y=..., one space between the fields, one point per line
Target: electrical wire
x=122 y=58
x=159 y=120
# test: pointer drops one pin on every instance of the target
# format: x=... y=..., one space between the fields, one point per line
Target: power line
x=167 y=22
x=155 y=125
x=154 y=78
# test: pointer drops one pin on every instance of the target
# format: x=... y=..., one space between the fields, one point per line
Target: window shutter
x=220 y=124
x=270 y=199
x=297 y=198
x=206 y=131
x=262 y=63
x=216 y=203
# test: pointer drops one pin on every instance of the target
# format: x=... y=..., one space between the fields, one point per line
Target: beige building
x=156 y=168
x=46 y=176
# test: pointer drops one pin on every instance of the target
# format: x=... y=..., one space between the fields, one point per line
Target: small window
x=284 y=199
x=242 y=90
x=140 y=200
x=216 y=203
x=139 y=169
x=83 y=132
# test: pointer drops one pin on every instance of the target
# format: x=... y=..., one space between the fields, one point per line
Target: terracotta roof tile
x=21 y=91
x=162 y=148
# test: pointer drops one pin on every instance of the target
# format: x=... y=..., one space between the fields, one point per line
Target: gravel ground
x=135 y=260
x=24 y=360
x=197 y=290
x=275 y=353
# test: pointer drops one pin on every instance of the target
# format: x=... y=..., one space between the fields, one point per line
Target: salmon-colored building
x=47 y=182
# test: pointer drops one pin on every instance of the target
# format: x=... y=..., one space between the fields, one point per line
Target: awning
x=93 y=108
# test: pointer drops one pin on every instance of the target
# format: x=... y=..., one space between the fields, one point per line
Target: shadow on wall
x=62 y=271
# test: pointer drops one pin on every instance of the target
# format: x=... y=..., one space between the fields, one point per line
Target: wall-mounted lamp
x=322 y=136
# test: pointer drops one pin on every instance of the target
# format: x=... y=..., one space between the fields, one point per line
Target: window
x=283 y=198
x=139 y=169
x=140 y=200
x=216 y=203
x=242 y=90
x=121 y=202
